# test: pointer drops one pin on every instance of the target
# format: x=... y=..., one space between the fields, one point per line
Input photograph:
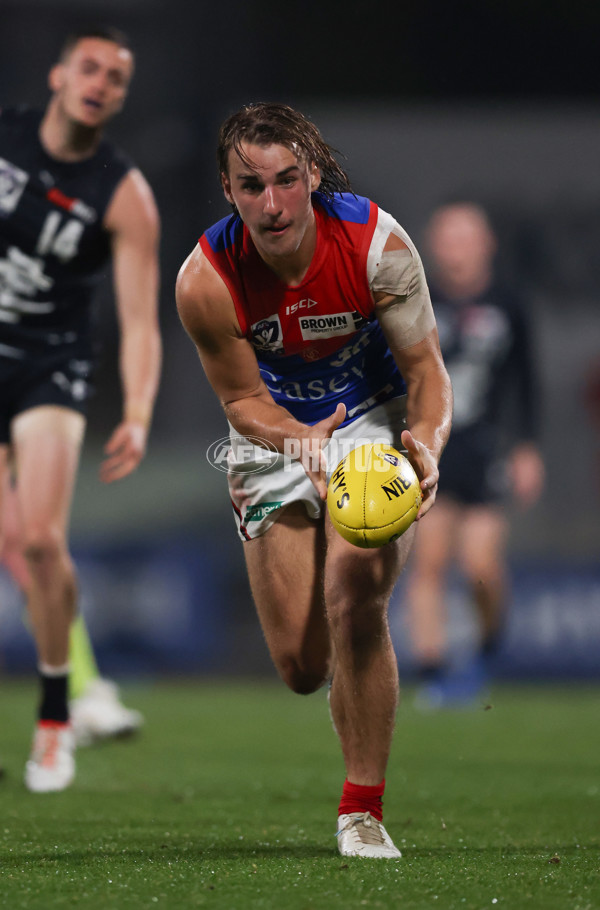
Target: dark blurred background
x=493 y=101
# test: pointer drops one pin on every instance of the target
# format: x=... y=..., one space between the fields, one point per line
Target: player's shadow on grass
x=255 y=850
x=167 y=853
x=269 y=851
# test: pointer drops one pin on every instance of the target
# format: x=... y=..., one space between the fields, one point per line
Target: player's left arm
x=403 y=309
x=133 y=222
x=525 y=462
x=428 y=411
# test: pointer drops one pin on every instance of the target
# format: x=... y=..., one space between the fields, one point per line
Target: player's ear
x=55 y=77
x=315 y=177
x=226 y=184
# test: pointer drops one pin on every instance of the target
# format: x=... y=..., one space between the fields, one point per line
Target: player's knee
x=300 y=679
x=431 y=568
x=43 y=544
x=356 y=626
x=483 y=568
x=10 y=544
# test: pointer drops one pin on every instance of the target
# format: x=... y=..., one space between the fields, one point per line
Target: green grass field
x=228 y=801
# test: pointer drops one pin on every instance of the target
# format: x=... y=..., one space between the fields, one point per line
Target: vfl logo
x=12 y=183
x=267 y=334
x=305 y=304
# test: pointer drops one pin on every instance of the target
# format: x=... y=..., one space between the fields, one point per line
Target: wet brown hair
x=268 y=123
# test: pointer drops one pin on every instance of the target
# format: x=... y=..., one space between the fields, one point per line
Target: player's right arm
x=208 y=315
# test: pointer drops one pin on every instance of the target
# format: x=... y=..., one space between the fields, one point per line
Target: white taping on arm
x=408 y=318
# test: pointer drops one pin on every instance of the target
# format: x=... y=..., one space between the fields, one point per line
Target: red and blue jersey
x=318 y=342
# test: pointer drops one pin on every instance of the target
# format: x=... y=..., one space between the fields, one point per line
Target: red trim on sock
x=357 y=798
x=54 y=724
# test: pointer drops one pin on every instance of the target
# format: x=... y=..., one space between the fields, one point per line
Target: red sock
x=356 y=798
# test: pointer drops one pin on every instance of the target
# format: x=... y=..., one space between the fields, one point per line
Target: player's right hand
x=123 y=451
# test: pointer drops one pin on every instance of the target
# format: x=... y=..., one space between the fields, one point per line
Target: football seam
x=365 y=482
x=379 y=527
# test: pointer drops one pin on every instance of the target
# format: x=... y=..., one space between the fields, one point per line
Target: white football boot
x=51 y=765
x=100 y=714
x=359 y=834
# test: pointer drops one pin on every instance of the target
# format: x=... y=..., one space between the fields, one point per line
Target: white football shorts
x=262 y=483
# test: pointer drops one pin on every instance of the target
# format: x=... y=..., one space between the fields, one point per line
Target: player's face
x=461 y=243
x=272 y=196
x=91 y=83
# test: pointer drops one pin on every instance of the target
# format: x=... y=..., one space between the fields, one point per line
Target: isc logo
x=305 y=304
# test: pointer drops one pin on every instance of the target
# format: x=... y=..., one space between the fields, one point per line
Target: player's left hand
x=527 y=474
x=124 y=451
x=425 y=464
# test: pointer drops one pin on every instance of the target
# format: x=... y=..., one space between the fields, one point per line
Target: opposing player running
x=69 y=202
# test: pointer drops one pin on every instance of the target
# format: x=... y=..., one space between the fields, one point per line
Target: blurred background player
x=485 y=338
x=311 y=315
x=69 y=202
x=591 y=397
x=95 y=708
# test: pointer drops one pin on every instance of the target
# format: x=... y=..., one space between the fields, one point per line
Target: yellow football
x=373 y=495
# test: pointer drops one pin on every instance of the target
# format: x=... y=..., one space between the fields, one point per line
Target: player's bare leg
x=11 y=546
x=4 y=456
x=477 y=536
x=482 y=558
x=96 y=709
x=291 y=606
x=46 y=443
x=285 y=568
x=4 y=472
x=5 y=530
x=433 y=549
x=365 y=692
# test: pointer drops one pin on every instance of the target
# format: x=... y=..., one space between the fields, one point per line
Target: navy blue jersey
x=486 y=344
x=53 y=246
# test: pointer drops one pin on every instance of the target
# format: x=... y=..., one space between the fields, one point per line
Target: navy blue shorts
x=48 y=376
x=472 y=471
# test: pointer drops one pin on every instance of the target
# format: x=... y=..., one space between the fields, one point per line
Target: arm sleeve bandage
x=408 y=318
